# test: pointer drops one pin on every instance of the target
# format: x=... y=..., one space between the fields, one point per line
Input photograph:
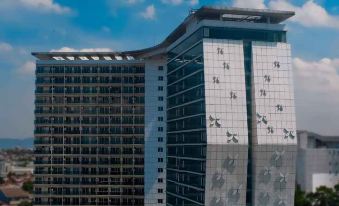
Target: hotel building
x=204 y=118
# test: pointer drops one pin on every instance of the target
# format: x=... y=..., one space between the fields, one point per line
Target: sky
x=115 y=25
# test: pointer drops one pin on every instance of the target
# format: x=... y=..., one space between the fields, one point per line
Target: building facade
x=318 y=161
x=204 y=118
x=94 y=121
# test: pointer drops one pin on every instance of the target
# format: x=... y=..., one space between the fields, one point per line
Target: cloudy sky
x=104 y=25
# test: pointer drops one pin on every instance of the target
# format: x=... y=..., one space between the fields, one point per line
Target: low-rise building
x=13 y=195
x=5 y=168
x=317 y=161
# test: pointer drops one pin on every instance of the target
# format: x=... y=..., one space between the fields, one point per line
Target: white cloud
x=256 y=4
x=149 y=12
x=27 y=68
x=36 y=5
x=68 y=49
x=318 y=76
x=173 y=2
x=194 y=2
x=179 y=2
x=5 y=47
x=133 y=1
x=316 y=99
x=309 y=14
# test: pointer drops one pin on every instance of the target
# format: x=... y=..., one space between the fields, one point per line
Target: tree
x=336 y=188
x=300 y=198
x=28 y=186
x=323 y=196
x=25 y=203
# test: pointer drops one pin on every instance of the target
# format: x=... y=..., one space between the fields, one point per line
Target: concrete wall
x=152 y=133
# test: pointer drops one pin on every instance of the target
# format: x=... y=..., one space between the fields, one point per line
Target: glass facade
x=186 y=112
x=89 y=135
x=186 y=125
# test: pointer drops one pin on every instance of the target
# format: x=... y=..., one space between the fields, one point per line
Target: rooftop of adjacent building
x=313 y=140
x=218 y=13
x=13 y=192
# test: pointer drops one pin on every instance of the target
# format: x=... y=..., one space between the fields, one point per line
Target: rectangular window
x=160 y=109
x=160 y=180
x=160 y=139
x=160 y=201
x=161 y=98
x=160 y=78
x=160 y=190
x=160 y=170
x=160 y=68
x=160 y=119
x=160 y=88
x=160 y=160
x=160 y=129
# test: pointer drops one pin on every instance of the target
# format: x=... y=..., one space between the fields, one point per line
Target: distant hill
x=6 y=143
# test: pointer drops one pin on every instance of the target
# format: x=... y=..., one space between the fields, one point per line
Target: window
x=160 y=149
x=160 y=170
x=160 y=68
x=160 y=190
x=160 y=88
x=161 y=98
x=160 y=78
x=160 y=119
x=160 y=109
x=160 y=201
x=160 y=160
x=160 y=139
x=160 y=180
x=160 y=129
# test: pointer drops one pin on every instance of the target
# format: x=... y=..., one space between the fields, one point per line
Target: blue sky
x=102 y=25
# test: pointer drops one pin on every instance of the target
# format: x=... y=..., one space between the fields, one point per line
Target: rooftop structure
x=230 y=14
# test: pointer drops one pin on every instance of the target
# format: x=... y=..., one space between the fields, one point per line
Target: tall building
x=99 y=129
x=216 y=96
x=318 y=161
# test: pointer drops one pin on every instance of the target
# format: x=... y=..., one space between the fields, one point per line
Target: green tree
x=25 y=203
x=336 y=188
x=324 y=196
x=28 y=186
x=300 y=198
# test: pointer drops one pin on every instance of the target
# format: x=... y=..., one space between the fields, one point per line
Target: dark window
x=160 y=88
x=160 y=68
x=160 y=149
x=160 y=109
x=161 y=98
x=160 y=201
x=160 y=170
x=160 y=160
x=160 y=190
x=160 y=119
x=160 y=180
x=161 y=78
x=160 y=139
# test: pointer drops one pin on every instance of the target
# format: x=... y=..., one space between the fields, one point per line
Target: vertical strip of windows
x=186 y=126
x=248 y=81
